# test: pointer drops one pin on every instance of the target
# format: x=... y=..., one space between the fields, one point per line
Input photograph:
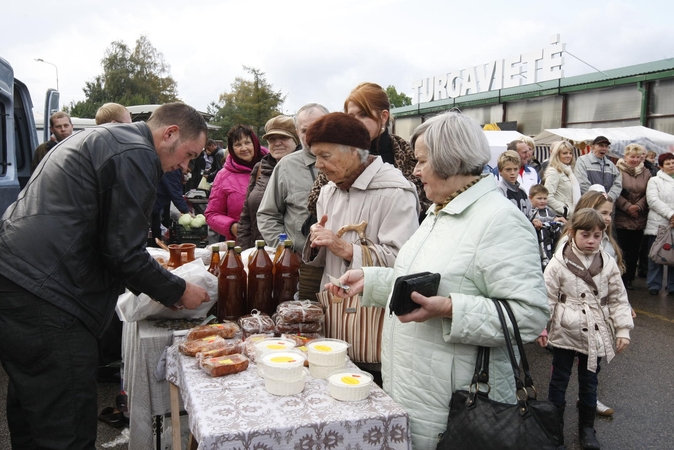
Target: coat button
x=584 y=329
x=582 y=295
x=595 y=292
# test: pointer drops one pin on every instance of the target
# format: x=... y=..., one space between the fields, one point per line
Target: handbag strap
x=528 y=379
x=519 y=385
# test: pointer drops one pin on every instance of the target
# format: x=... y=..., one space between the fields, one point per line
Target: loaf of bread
x=191 y=348
x=300 y=311
x=224 y=365
x=249 y=343
x=225 y=330
x=256 y=323
x=230 y=348
x=302 y=339
x=298 y=328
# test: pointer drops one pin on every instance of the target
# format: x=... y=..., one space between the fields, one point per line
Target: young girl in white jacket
x=591 y=317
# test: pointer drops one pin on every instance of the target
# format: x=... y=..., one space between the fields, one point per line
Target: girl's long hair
x=594 y=200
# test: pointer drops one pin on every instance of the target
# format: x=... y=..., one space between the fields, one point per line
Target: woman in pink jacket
x=229 y=187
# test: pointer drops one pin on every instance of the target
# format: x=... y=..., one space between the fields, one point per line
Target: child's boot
x=588 y=439
x=560 y=413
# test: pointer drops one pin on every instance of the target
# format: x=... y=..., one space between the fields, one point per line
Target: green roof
x=613 y=77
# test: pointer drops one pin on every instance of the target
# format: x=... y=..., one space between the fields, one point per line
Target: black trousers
x=50 y=358
x=630 y=243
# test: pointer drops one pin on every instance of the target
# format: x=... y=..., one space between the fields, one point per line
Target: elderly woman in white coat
x=563 y=187
x=660 y=198
x=470 y=236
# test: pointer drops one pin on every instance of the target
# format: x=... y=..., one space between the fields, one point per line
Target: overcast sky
x=317 y=51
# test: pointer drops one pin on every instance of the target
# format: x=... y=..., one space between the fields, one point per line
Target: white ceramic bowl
x=282 y=366
x=284 y=388
x=349 y=386
x=327 y=352
x=272 y=345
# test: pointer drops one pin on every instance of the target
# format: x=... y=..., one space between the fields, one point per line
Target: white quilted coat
x=660 y=199
x=483 y=247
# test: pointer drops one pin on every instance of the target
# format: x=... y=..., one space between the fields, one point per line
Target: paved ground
x=638 y=384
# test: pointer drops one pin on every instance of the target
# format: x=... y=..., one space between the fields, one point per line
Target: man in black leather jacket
x=74 y=237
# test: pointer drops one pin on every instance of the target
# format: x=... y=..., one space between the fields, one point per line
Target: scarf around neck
x=633 y=171
x=577 y=268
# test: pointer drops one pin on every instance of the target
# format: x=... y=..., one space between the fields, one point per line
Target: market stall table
x=143 y=345
x=236 y=412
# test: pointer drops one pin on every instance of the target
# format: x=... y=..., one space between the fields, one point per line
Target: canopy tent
x=498 y=141
x=620 y=137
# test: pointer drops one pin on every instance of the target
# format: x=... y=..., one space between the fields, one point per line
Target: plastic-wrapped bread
x=256 y=323
x=224 y=365
x=191 y=348
x=300 y=311
x=230 y=348
x=249 y=343
x=225 y=330
x=298 y=328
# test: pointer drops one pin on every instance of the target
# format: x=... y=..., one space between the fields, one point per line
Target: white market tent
x=498 y=141
x=620 y=137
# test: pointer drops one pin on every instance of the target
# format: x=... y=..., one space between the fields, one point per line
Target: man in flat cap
x=596 y=168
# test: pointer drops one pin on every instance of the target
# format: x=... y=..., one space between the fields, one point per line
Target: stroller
x=548 y=236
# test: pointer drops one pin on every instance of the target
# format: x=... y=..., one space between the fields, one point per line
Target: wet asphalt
x=638 y=384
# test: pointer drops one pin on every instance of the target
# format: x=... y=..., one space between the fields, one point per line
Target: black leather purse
x=425 y=283
x=477 y=423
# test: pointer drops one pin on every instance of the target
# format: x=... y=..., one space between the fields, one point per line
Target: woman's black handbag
x=477 y=423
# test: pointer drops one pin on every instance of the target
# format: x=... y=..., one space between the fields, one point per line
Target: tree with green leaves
x=130 y=77
x=396 y=98
x=250 y=102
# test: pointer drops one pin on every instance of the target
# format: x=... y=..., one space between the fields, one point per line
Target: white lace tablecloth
x=236 y=412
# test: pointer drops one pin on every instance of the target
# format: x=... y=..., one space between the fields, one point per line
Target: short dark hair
x=210 y=142
x=59 y=115
x=665 y=157
x=513 y=144
x=190 y=122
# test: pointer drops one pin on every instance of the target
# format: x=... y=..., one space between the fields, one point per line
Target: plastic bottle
x=231 y=287
x=286 y=274
x=261 y=281
x=279 y=248
x=214 y=267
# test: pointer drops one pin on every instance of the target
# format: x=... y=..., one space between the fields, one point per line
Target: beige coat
x=382 y=197
x=560 y=190
x=583 y=319
x=633 y=193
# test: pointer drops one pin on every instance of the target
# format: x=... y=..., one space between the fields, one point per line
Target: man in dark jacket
x=170 y=190
x=73 y=238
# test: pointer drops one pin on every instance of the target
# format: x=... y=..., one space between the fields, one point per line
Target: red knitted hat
x=339 y=128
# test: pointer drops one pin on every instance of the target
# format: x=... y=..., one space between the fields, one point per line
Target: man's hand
x=193 y=296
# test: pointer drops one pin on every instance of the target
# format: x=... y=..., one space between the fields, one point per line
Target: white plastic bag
x=131 y=308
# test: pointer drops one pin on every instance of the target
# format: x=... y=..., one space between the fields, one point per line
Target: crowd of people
x=426 y=205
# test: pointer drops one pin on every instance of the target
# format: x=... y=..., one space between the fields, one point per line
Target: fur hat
x=339 y=128
x=282 y=125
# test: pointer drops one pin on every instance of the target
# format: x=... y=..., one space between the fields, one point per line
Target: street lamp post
x=51 y=64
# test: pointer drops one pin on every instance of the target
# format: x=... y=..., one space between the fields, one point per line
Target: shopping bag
x=204 y=184
x=360 y=326
x=662 y=250
x=131 y=308
x=345 y=319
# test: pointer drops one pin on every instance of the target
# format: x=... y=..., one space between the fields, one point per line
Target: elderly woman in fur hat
x=361 y=188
